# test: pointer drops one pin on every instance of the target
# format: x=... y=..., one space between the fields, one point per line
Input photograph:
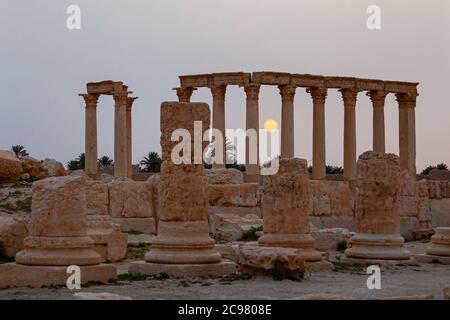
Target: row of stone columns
x=406 y=102
x=122 y=134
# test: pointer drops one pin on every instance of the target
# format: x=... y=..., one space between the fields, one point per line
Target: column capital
x=252 y=91
x=318 y=94
x=406 y=100
x=184 y=94
x=90 y=99
x=218 y=91
x=287 y=92
x=377 y=97
x=130 y=101
x=349 y=96
x=120 y=98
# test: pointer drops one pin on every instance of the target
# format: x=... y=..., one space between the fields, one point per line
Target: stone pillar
x=440 y=243
x=287 y=93
x=407 y=131
x=129 y=136
x=252 y=122
x=378 y=98
x=90 y=139
x=218 y=93
x=349 y=97
x=377 y=209
x=184 y=94
x=286 y=208
x=57 y=238
x=319 y=154
x=183 y=246
x=120 y=135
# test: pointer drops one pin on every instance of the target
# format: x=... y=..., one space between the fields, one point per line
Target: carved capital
x=218 y=92
x=90 y=99
x=349 y=96
x=120 y=99
x=130 y=101
x=184 y=94
x=378 y=97
x=318 y=95
x=406 y=100
x=252 y=91
x=287 y=92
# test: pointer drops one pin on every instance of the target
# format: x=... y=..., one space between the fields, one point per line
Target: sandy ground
x=426 y=279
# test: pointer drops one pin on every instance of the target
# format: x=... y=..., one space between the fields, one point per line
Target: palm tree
x=151 y=163
x=105 y=161
x=77 y=164
x=19 y=151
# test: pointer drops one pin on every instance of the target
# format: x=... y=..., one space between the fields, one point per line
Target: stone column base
x=377 y=247
x=183 y=242
x=17 y=275
x=303 y=242
x=428 y=258
x=440 y=243
x=58 y=251
x=218 y=269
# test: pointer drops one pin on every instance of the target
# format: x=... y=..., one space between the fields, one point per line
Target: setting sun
x=270 y=125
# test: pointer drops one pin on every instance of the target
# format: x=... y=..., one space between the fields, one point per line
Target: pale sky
x=148 y=43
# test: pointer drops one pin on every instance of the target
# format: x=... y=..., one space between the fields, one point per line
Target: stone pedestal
x=183 y=245
x=439 y=249
x=377 y=209
x=58 y=236
x=286 y=209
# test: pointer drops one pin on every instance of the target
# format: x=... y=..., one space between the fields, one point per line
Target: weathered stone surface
x=12 y=233
x=100 y=296
x=229 y=195
x=284 y=262
x=331 y=198
x=331 y=222
x=446 y=292
x=224 y=176
x=240 y=211
x=377 y=209
x=130 y=199
x=437 y=174
x=59 y=207
x=329 y=239
x=408 y=225
x=230 y=227
x=34 y=168
x=440 y=212
x=154 y=182
x=97 y=198
x=144 y=225
x=54 y=168
x=10 y=166
x=440 y=243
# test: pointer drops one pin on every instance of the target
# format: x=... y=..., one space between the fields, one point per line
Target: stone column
x=183 y=246
x=349 y=97
x=378 y=98
x=252 y=122
x=120 y=135
x=129 y=137
x=184 y=94
x=218 y=93
x=286 y=206
x=90 y=139
x=407 y=131
x=319 y=154
x=287 y=93
x=377 y=209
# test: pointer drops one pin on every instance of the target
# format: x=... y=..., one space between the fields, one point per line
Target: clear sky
x=148 y=43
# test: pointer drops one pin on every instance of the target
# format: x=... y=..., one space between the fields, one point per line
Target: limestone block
x=408 y=184
x=240 y=211
x=409 y=206
x=231 y=227
x=54 y=168
x=408 y=225
x=143 y=225
x=228 y=195
x=440 y=243
x=320 y=197
x=341 y=199
x=423 y=188
x=130 y=199
x=59 y=207
x=440 y=212
x=224 y=176
x=10 y=166
x=154 y=182
x=338 y=222
x=97 y=198
x=34 y=168
x=13 y=231
x=328 y=239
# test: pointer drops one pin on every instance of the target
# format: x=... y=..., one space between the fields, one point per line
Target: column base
x=428 y=258
x=377 y=247
x=17 y=275
x=440 y=243
x=204 y=270
x=303 y=242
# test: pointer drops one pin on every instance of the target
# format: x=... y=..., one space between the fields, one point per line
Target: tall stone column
x=407 y=131
x=120 y=135
x=378 y=99
x=349 y=97
x=184 y=94
x=129 y=136
x=378 y=209
x=218 y=93
x=319 y=154
x=287 y=93
x=252 y=122
x=90 y=139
